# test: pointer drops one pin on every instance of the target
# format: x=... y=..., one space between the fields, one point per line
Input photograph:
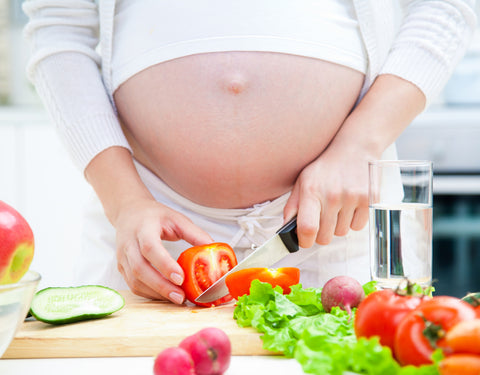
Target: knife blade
x=284 y=242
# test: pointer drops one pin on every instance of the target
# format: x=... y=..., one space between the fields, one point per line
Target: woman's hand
x=141 y=223
x=145 y=264
x=330 y=195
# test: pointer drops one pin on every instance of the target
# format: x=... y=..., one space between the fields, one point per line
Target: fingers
x=323 y=215
x=145 y=264
x=144 y=280
x=360 y=218
x=152 y=250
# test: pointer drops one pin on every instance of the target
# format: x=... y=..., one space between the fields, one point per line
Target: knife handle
x=288 y=235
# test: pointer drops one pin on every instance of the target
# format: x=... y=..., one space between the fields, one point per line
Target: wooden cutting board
x=141 y=328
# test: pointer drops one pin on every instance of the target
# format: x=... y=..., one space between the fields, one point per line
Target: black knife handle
x=288 y=235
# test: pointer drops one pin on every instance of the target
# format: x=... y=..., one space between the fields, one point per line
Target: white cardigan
x=423 y=48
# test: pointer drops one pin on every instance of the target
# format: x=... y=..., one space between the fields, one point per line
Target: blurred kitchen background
x=37 y=177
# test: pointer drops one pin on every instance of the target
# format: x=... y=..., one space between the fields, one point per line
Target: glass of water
x=400 y=204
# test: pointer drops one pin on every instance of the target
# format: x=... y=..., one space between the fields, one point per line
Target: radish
x=210 y=349
x=174 y=361
x=342 y=291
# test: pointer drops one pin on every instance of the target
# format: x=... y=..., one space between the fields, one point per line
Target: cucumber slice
x=61 y=305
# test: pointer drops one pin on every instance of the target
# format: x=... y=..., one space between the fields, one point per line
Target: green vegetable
x=61 y=305
x=323 y=343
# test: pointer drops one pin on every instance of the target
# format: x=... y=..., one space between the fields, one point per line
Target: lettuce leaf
x=297 y=326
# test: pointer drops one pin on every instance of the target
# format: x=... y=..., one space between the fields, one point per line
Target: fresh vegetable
x=474 y=300
x=173 y=361
x=423 y=330
x=381 y=312
x=210 y=350
x=460 y=364
x=203 y=265
x=60 y=305
x=16 y=245
x=239 y=282
x=297 y=326
x=342 y=291
x=464 y=337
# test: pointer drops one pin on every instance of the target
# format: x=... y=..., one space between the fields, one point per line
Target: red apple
x=16 y=245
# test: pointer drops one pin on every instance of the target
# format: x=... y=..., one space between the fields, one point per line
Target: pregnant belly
x=232 y=129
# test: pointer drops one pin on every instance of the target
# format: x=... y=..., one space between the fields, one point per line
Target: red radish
x=210 y=350
x=174 y=361
x=342 y=291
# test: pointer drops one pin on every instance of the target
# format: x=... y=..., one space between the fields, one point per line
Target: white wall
x=39 y=180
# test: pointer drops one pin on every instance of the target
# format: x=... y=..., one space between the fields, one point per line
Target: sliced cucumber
x=61 y=305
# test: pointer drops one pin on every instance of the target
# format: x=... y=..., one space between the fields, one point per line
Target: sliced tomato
x=203 y=265
x=380 y=313
x=239 y=282
x=423 y=330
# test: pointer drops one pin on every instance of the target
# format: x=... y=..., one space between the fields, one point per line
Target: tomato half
x=380 y=313
x=203 y=265
x=423 y=330
x=238 y=282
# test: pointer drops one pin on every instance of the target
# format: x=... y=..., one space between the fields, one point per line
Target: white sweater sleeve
x=64 y=68
x=432 y=39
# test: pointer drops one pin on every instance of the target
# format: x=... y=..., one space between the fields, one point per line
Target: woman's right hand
x=141 y=223
x=145 y=264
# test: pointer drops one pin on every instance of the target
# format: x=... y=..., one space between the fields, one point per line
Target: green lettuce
x=297 y=326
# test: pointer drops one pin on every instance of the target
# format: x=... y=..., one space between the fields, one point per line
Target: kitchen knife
x=283 y=243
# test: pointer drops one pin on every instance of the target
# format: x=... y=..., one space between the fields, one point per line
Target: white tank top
x=148 y=32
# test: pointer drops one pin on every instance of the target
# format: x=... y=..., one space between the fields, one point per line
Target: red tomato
x=238 y=282
x=203 y=265
x=423 y=330
x=474 y=300
x=460 y=364
x=380 y=313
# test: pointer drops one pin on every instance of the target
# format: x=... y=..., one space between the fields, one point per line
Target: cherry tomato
x=464 y=364
x=464 y=337
x=203 y=265
x=238 y=282
x=380 y=313
x=423 y=330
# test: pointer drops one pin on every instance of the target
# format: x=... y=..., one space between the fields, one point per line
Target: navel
x=235 y=85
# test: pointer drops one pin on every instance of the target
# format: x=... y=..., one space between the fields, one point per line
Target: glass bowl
x=15 y=302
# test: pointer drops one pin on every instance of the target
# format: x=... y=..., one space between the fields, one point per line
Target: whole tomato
x=423 y=330
x=203 y=265
x=380 y=313
x=474 y=300
x=238 y=282
x=460 y=364
x=464 y=337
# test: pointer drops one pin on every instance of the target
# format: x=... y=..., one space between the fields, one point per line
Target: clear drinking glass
x=400 y=204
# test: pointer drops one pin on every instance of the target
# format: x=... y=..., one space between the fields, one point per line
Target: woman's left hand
x=330 y=196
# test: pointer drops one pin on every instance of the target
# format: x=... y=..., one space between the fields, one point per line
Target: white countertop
x=240 y=365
